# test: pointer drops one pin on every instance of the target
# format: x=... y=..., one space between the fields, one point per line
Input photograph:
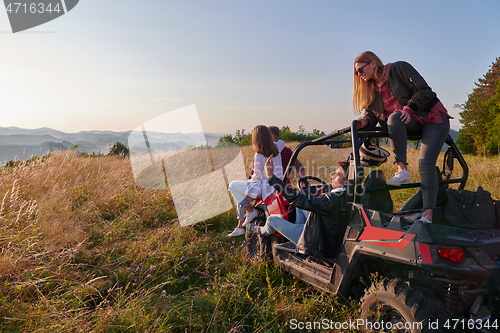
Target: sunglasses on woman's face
x=359 y=71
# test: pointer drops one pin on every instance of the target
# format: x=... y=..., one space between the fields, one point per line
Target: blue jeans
x=292 y=231
x=433 y=138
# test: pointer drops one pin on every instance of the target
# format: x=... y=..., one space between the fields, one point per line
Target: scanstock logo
x=28 y=14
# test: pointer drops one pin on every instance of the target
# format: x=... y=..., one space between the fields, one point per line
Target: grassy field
x=83 y=249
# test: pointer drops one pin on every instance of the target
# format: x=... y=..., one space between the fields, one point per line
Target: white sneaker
x=250 y=216
x=413 y=217
x=400 y=177
x=237 y=232
x=424 y=219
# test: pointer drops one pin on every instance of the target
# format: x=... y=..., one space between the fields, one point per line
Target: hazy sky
x=115 y=64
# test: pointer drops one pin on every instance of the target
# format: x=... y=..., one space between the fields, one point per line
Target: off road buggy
x=410 y=276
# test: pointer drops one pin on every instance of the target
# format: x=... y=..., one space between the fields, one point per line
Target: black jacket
x=409 y=88
x=321 y=230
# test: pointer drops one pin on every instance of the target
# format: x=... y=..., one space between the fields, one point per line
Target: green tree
x=479 y=114
x=465 y=143
x=286 y=134
x=301 y=133
x=225 y=140
x=317 y=133
x=119 y=149
x=242 y=139
x=493 y=126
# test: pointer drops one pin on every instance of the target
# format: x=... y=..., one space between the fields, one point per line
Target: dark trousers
x=433 y=138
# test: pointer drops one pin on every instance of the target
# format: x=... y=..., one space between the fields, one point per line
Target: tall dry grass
x=485 y=172
x=56 y=211
x=83 y=249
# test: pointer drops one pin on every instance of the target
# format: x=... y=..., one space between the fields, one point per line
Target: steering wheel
x=308 y=189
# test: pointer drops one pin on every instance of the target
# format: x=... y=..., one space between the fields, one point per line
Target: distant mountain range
x=20 y=143
x=454 y=134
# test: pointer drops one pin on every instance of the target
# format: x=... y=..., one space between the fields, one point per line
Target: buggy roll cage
x=357 y=139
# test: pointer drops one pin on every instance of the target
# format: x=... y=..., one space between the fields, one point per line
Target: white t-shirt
x=257 y=185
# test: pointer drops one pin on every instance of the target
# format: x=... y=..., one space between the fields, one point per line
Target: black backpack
x=468 y=209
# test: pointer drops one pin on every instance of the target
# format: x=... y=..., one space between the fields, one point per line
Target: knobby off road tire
x=395 y=300
x=257 y=245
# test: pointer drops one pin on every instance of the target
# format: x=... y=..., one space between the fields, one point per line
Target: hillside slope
x=85 y=250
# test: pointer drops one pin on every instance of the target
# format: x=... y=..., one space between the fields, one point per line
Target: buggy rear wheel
x=257 y=245
x=393 y=305
x=261 y=246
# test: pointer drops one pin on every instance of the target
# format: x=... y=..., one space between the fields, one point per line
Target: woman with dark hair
x=264 y=147
x=397 y=96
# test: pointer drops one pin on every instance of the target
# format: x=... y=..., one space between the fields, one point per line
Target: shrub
x=119 y=149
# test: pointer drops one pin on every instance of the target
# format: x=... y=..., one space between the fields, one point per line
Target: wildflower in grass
x=149 y=276
x=247 y=294
x=185 y=277
x=153 y=267
x=186 y=265
x=269 y=284
x=163 y=293
x=138 y=268
x=183 y=258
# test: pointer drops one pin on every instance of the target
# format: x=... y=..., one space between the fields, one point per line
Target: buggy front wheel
x=394 y=305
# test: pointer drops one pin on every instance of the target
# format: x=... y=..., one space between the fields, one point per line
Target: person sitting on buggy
x=286 y=154
x=256 y=186
x=317 y=224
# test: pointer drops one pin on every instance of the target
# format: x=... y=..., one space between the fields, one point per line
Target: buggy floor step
x=290 y=247
x=287 y=246
x=306 y=269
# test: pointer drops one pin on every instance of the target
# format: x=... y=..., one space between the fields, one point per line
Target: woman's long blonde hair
x=262 y=141
x=364 y=95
